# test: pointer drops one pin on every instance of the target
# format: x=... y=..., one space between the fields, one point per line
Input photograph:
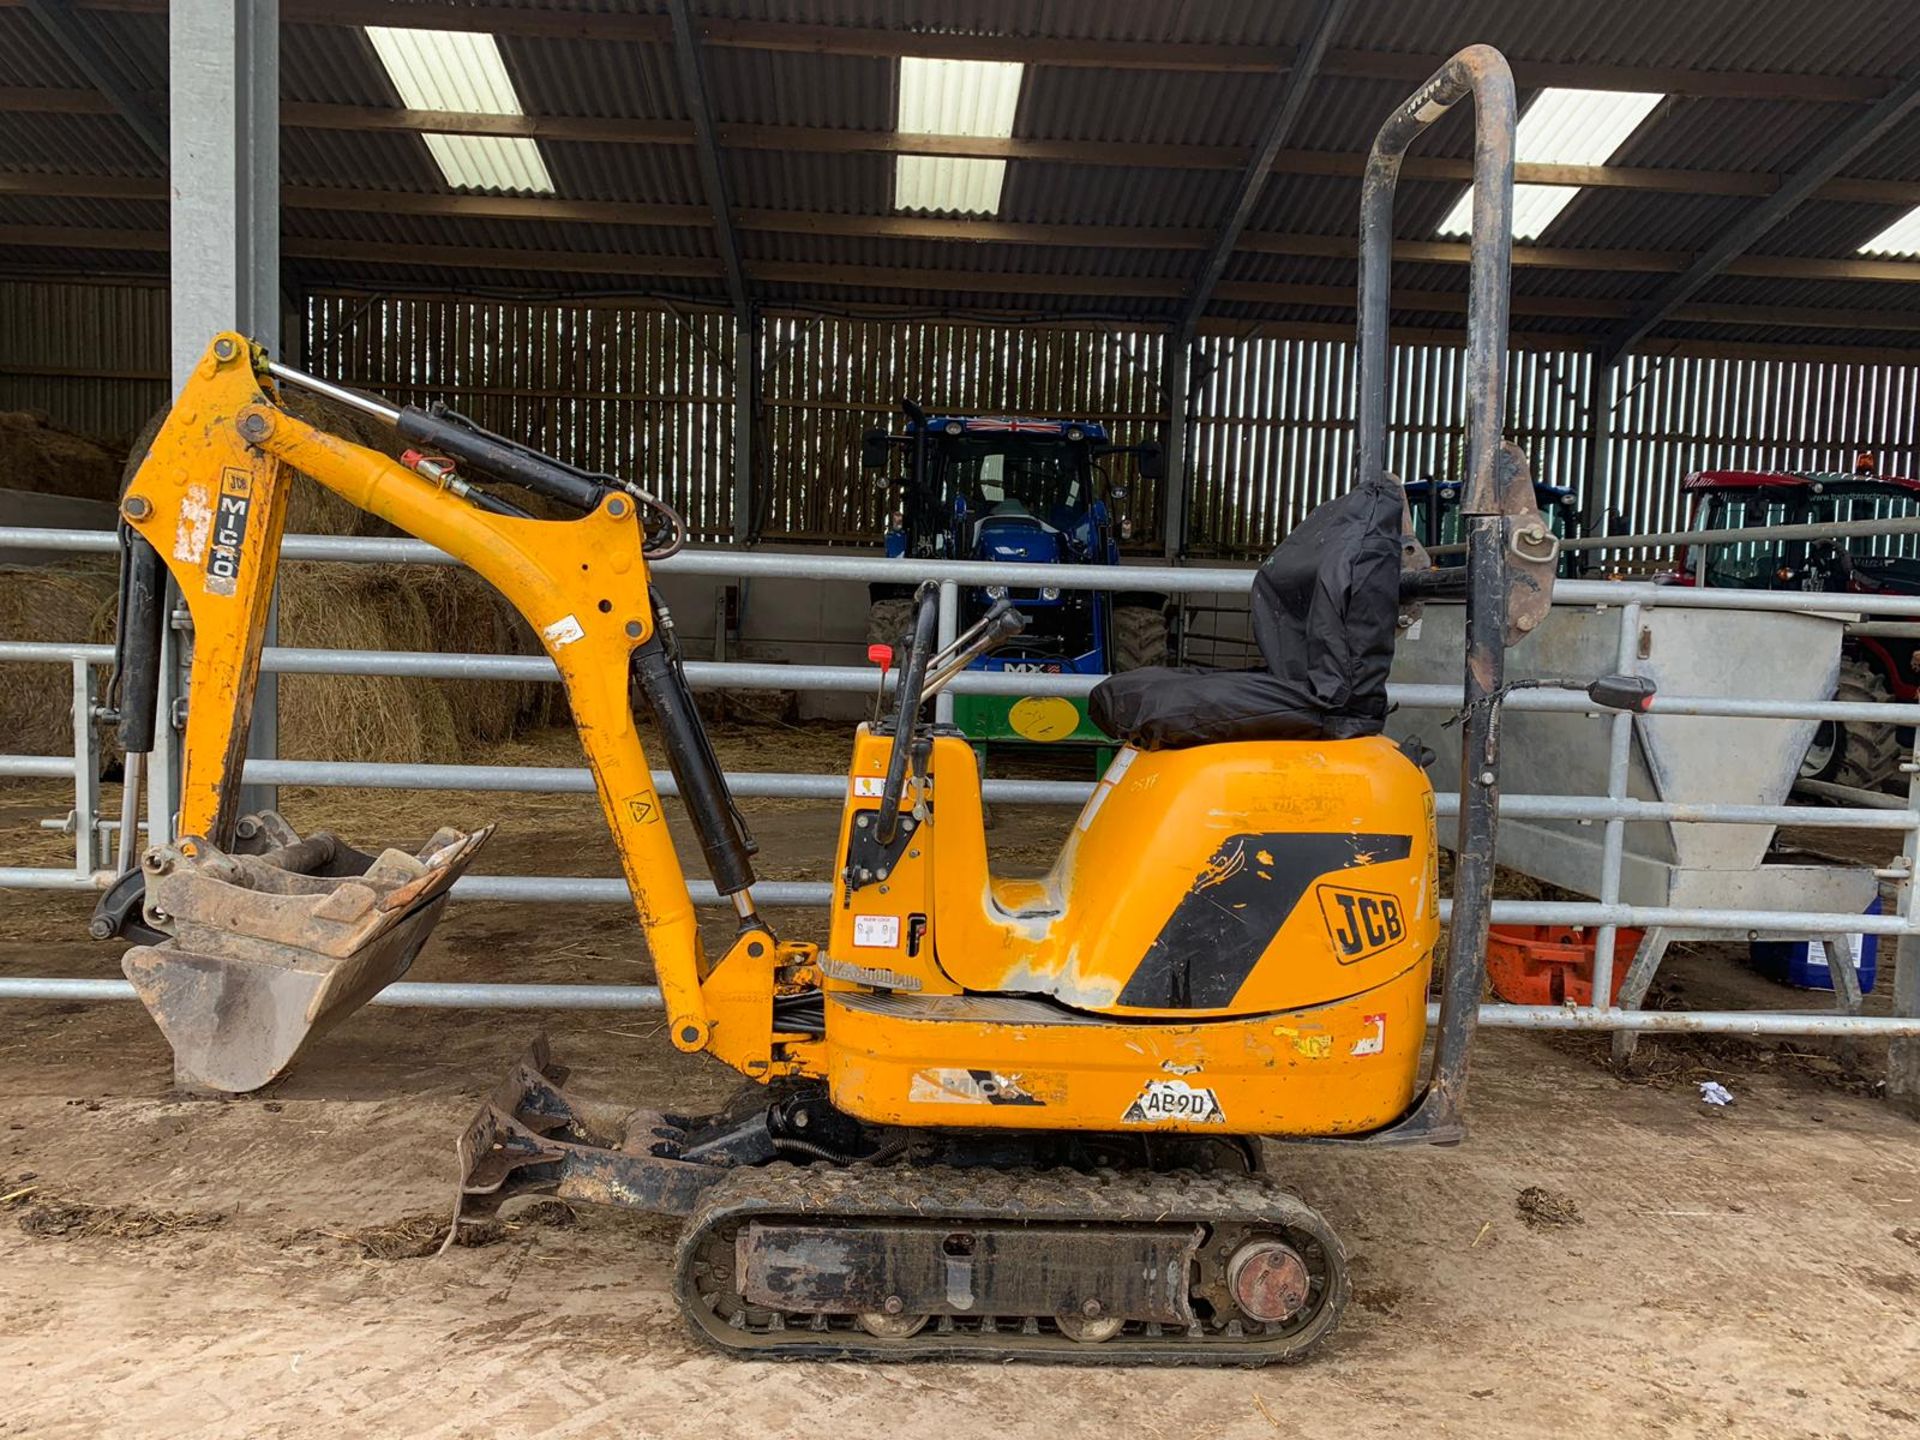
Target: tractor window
x=1048 y=478
x=1889 y=557
x=1754 y=565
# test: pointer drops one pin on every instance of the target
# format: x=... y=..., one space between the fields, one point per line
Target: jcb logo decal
x=1360 y=922
x=229 y=531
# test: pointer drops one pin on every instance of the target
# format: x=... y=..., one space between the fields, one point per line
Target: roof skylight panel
x=970 y=98
x=462 y=71
x=1561 y=127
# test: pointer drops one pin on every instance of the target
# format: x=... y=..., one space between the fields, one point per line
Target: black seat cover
x=1324 y=609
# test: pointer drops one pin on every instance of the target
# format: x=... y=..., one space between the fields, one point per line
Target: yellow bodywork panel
x=1253 y=921
x=1004 y=1063
x=1218 y=880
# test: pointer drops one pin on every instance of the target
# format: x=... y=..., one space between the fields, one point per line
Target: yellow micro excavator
x=990 y=1117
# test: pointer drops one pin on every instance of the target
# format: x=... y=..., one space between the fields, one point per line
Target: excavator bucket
x=269 y=949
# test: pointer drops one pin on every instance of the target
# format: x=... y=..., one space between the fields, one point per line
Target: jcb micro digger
x=993 y=1118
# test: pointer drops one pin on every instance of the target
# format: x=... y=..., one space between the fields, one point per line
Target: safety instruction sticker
x=1375 y=1040
x=1162 y=1102
x=876 y=932
x=564 y=631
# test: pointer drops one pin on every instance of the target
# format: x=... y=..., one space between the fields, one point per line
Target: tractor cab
x=1752 y=500
x=1863 y=754
x=1435 y=509
x=1009 y=491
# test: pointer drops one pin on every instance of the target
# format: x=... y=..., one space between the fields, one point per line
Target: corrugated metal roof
x=1866 y=37
x=71 y=145
x=627 y=80
x=29 y=57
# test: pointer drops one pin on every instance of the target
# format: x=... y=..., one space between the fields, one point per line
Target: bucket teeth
x=268 y=950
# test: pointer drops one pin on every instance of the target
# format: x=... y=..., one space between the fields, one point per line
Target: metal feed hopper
x=1676 y=758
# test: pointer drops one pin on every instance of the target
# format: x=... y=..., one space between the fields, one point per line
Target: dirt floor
x=1605 y=1255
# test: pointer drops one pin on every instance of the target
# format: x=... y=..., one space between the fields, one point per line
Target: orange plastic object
x=1552 y=964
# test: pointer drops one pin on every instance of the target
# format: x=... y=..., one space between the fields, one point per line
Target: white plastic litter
x=1714 y=1093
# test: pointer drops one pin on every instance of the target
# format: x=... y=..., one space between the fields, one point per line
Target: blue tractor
x=1436 y=518
x=1017 y=492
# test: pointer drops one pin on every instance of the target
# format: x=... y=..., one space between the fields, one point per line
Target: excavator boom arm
x=211 y=498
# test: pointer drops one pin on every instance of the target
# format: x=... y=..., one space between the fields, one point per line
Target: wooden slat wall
x=827 y=380
x=1272 y=432
x=631 y=389
x=642 y=391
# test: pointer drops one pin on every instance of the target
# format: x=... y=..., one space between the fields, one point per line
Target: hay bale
x=360 y=717
x=312 y=509
x=468 y=614
x=37 y=457
x=391 y=719
x=73 y=603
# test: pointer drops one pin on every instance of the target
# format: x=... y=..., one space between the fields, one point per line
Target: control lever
x=906 y=714
x=1612 y=692
x=995 y=628
x=1623 y=692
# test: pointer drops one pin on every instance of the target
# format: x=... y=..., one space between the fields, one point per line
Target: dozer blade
x=269 y=950
x=531 y=1135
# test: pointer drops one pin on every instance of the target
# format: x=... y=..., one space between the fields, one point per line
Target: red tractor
x=1872 y=669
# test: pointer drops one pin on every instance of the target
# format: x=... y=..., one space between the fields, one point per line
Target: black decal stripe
x=989 y=1085
x=1234 y=908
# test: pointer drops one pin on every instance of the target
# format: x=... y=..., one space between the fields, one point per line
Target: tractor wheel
x=1139 y=637
x=888 y=622
x=1861 y=753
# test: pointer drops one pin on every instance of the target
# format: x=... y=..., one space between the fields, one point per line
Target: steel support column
x=223 y=82
x=1176 y=380
x=746 y=401
x=1593 y=491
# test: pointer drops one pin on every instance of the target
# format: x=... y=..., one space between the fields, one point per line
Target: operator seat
x=1324 y=610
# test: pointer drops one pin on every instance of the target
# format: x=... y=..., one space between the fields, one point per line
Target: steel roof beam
x=644 y=215
x=1293 y=98
x=982 y=282
x=56 y=17
x=815 y=140
x=693 y=94
x=1805 y=180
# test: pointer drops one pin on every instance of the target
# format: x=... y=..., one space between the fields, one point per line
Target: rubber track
x=984 y=1195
